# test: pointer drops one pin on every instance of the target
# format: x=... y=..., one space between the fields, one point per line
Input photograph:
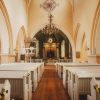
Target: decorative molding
x=83 y=39
x=28 y=2
x=9 y=55
x=49 y=5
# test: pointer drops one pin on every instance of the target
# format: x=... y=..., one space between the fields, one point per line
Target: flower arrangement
x=97 y=88
x=3 y=93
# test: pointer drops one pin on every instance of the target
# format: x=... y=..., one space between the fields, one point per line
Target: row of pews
x=81 y=80
x=23 y=79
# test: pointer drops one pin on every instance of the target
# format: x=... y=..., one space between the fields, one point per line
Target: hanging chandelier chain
x=49 y=6
x=50 y=19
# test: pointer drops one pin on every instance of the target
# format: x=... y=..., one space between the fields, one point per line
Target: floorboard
x=50 y=86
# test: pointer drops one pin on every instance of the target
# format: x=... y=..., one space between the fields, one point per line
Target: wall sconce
x=15 y=50
x=87 y=48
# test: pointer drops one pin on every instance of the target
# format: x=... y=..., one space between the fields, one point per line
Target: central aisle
x=50 y=86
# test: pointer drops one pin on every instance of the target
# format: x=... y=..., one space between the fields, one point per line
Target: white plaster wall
x=0 y=42
x=84 y=13
x=18 y=16
x=4 y=35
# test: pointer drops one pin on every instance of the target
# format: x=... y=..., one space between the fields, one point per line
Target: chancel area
x=49 y=50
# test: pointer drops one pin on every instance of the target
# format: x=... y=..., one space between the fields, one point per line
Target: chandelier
x=49 y=6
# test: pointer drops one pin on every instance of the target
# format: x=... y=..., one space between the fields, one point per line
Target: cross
x=50 y=18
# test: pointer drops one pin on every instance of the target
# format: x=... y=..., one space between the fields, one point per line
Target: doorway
x=50 y=51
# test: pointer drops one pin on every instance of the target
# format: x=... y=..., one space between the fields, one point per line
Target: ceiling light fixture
x=49 y=6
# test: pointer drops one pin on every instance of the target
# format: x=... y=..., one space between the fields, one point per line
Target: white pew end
x=94 y=94
x=5 y=90
x=89 y=97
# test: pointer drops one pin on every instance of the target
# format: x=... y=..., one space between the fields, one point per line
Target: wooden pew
x=68 y=70
x=65 y=60
x=82 y=83
x=37 y=60
x=95 y=93
x=36 y=70
x=39 y=66
x=5 y=89
x=70 y=78
x=19 y=81
x=59 y=66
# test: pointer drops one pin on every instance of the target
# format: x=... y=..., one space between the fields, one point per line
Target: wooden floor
x=50 y=86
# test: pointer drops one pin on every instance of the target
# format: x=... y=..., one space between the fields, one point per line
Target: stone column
x=57 y=52
x=92 y=58
x=43 y=52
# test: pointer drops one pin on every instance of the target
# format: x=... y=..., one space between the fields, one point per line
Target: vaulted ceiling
x=38 y=17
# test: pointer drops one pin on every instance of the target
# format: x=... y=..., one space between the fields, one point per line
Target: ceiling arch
x=20 y=42
x=66 y=34
x=5 y=13
x=76 y=32
x=94 y=27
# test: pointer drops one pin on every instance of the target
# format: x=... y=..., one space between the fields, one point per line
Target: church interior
x=49 y=50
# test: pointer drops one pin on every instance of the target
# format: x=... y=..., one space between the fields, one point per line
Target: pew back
x=19 y=83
